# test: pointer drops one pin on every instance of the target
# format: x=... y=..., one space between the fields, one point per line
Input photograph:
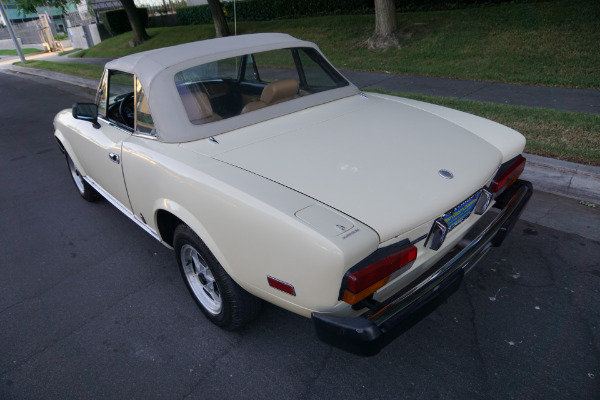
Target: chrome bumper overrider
x=369 y=333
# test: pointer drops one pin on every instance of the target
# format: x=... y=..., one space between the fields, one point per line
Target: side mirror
x=86 y=112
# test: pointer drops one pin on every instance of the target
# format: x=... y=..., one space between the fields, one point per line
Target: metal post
x=48 y=11
x=12 y=33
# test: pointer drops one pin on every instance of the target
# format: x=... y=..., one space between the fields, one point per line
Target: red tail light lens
x=508 y=175
x=367 y=280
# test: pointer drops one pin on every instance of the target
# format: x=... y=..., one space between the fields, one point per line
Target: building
x=17 y=16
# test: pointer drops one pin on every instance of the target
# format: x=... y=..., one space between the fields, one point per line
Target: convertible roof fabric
x=148 y=64
x=156 y=70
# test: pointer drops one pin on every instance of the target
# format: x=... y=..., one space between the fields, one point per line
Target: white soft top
x=156 y=70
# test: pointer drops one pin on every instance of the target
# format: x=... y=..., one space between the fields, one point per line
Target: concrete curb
x=564 y=178
x=57 y=76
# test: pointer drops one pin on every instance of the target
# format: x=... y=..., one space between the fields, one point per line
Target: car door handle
x=113 y=157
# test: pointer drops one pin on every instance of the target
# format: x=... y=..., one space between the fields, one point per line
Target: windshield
x=233 y=86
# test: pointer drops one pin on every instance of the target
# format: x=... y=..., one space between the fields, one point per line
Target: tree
x=30 y=6
x=139 y=32
x=221 y=27
x=386 y=26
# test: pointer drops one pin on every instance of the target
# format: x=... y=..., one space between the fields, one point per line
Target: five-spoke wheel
x=84 y=188
x=201 y=280
x=220 y=298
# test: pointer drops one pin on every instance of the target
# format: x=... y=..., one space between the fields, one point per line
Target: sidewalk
x=573 y=180
x=558 y=98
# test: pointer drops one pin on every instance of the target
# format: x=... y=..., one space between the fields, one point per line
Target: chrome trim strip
x=144 y=135
x=121 y=207
x=115 y=125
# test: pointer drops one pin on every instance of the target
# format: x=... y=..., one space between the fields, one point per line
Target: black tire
x=84 y=188
x=222 y=300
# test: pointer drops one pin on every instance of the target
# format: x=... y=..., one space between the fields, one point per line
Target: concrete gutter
x=564 y=178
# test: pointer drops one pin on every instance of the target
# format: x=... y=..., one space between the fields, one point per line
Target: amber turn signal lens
x=352 y=298
x=363 y=282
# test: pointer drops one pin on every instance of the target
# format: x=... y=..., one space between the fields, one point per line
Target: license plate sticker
x=457 y=215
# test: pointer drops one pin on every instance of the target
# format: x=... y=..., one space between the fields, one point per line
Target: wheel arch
x=66 y=148
x=166 y=222
x=171 y=214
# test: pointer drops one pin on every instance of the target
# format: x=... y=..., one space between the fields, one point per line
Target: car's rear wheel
x=84 y=188
x=222 y=300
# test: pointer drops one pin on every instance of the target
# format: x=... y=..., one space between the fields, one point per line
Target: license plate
x=459 y=213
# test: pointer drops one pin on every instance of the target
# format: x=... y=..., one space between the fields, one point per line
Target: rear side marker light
x=281 y=285
x=508 y=176
x=363 y=282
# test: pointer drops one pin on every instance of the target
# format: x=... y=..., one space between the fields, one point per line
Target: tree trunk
x=386 y=26
x=221 y=27
x=139 y=32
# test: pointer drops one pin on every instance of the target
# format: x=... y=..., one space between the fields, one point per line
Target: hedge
x=266 y=10
x=116 y=21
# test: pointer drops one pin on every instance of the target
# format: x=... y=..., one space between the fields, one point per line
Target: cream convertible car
x=273 y=177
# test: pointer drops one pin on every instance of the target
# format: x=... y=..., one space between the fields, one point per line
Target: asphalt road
x=91 y=307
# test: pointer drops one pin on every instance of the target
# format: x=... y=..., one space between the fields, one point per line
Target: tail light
x=365 y=281
x=507 y=175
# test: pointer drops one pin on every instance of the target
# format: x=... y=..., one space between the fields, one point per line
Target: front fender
x=61 y=134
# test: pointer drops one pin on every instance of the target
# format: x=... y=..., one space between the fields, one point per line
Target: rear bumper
x=367 y=334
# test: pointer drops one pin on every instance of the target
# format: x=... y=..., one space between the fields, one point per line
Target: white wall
x=8 y=44
x=76 y=35
x=77 y=39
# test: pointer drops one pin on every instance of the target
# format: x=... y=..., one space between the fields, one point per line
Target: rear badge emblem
x=444 y=173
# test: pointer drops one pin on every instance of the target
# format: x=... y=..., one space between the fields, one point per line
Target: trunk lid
x=374 y=159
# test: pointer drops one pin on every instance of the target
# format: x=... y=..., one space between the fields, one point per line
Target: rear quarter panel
x=510 y=142
x=246 y=221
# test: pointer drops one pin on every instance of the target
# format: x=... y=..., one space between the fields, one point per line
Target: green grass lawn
x=64 y=53
x=550 y=133
x=14 y=52
x=548 y=43
x=79 y=69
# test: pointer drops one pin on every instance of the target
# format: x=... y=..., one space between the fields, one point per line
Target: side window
x=144 y=122
x=120 y=107
x=313 y=72
x=250 y=73
x=317 y=73
x=276 y=65
x=101 y=94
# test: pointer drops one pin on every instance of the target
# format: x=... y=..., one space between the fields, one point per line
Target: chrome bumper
x=368 y=333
